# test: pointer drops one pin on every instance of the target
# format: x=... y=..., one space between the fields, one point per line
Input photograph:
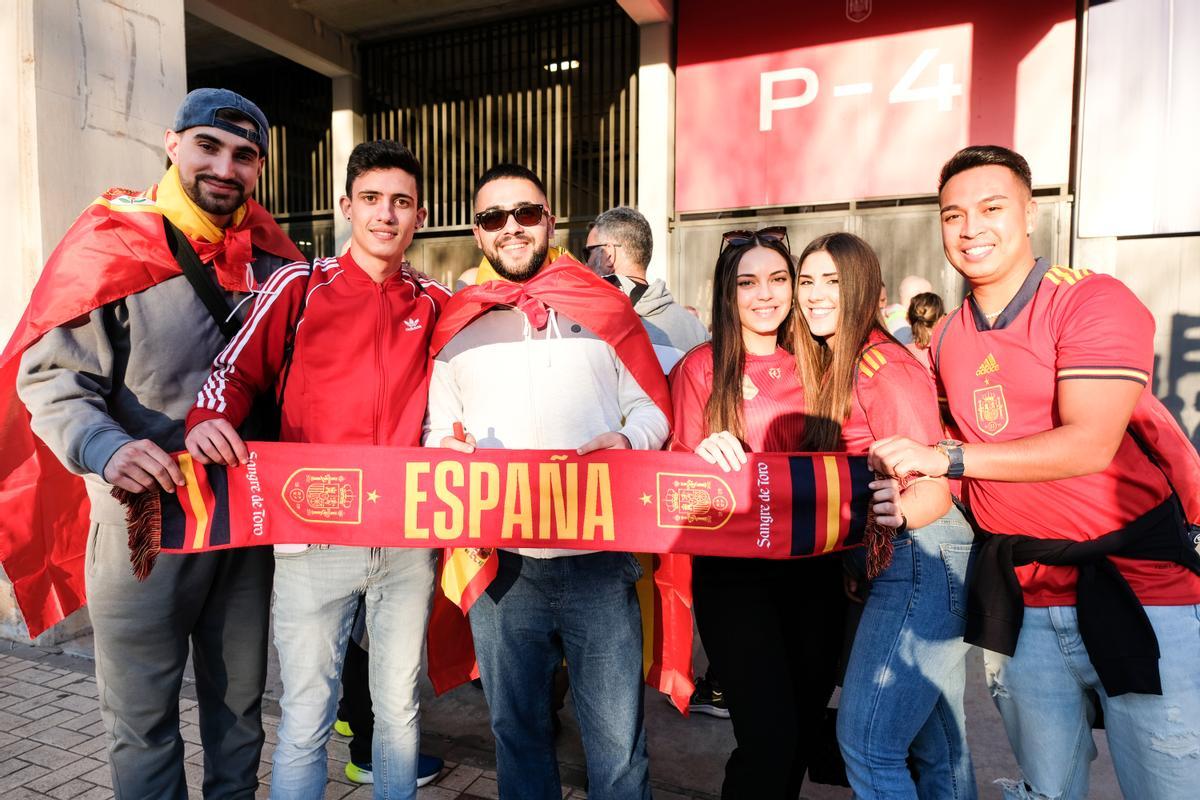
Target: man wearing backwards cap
x=113 y=347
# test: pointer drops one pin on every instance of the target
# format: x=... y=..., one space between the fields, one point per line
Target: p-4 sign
x=862 y=118
x=906 y=90
x=853 y=100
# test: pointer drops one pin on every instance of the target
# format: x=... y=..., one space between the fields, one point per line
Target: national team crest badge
x=991 y=412
x=325 y=495
x=858 y=10
x=704 y=502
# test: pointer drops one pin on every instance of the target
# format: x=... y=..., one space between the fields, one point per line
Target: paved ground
x=52 y=741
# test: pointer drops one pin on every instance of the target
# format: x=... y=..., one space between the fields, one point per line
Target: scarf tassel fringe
x=143 y=518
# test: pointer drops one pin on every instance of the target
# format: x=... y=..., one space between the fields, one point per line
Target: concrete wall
x=90 y=86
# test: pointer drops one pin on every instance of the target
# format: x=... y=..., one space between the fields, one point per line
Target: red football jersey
x=1001 y=384
x=772 y=401
x=893 y=396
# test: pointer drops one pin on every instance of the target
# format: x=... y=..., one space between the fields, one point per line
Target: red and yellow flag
x=117 y=247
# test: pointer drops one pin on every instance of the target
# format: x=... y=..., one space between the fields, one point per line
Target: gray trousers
x=220 y=604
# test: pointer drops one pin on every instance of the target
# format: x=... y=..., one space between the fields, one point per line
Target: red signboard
x=841 y=100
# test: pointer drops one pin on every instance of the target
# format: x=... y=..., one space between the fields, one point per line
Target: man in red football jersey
x=1088 y=584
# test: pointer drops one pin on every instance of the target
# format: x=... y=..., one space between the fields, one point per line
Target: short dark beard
x=195 y=190
x=536 y=261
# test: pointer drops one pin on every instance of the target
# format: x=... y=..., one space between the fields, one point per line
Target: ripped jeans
x=1041 y=692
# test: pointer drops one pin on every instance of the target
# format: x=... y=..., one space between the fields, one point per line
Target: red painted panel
x=789 y=103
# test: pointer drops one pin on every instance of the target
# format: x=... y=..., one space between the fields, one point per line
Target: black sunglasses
x=494 y=219
x=738 y=238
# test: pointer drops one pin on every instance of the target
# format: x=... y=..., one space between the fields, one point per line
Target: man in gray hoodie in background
x=618 y=249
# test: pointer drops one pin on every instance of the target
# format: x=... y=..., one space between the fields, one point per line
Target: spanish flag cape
x=569 y=288
x=117 y=247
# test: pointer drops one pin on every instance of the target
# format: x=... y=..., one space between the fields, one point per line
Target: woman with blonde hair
x=902 y=696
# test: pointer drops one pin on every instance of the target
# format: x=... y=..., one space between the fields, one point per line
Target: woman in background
x=924 y=312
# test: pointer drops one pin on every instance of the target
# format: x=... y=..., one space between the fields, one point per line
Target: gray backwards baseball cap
x=201 y=106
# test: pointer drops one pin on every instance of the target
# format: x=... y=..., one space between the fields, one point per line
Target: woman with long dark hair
x=772 y=629
x=902 y=695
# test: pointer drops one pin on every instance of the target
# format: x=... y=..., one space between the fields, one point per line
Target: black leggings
x=773 y=633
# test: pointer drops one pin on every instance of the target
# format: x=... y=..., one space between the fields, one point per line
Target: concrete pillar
x=656 y=141
x=90 y=87
x=348 y=129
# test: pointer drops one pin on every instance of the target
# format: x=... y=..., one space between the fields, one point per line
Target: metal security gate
x=556 y=92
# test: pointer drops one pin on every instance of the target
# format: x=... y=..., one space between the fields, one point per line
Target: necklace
x=993 y=315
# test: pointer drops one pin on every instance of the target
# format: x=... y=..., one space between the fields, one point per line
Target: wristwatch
x=952 y=448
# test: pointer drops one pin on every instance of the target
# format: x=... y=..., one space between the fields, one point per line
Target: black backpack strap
x=936 y=355
x=198 y=277
x=635 y=294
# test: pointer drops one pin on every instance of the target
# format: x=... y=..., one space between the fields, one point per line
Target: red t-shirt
x=772 y=401
x=893 y=396
x=1001 y=383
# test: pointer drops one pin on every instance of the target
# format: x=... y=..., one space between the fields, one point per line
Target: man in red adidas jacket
x=357 y=328
x=1090 y=584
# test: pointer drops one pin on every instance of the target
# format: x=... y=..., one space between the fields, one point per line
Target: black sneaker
x=428 y=768
x=708 y=699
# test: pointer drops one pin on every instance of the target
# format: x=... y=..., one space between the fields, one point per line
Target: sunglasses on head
x=738 y=238
x=526 y=215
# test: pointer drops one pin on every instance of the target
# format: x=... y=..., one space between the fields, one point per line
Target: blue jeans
x=1042 y=693
x=902 y=694
x=316 y=594
x=534 y=613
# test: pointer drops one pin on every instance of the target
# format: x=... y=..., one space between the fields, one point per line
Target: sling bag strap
x=635 y=294
x=218 y=307
x=202 y=284
x=936 y=352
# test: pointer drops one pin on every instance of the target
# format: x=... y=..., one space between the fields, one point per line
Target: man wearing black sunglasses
x=514 y=236
x=544 y=359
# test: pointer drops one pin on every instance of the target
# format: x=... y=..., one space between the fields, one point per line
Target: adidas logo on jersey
x=412 y=324
x=988 y=366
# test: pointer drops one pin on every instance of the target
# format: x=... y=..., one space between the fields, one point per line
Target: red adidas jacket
x=359 y=370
